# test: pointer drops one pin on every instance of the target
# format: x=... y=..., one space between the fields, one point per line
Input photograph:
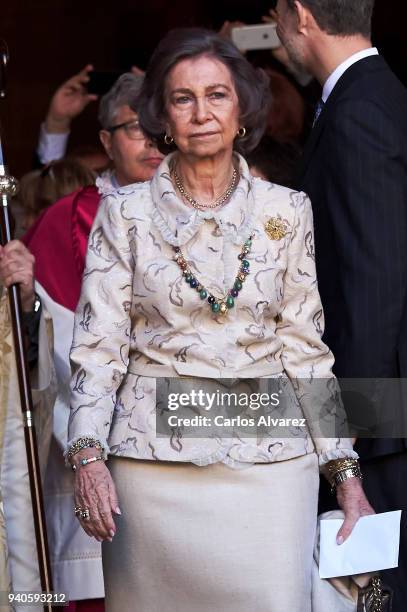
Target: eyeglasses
x=132 y=129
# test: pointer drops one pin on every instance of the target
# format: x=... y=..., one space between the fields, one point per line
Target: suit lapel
x=311 y=144
x=351 y=75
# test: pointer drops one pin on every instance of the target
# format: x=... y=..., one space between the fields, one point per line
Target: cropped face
x=134 y=156
x=287 y=32
x=202 y=107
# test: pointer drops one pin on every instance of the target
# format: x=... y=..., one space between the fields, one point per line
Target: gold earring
x=241 y=132
x=168 y=140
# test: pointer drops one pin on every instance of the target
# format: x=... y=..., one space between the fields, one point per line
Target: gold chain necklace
x=218 y=202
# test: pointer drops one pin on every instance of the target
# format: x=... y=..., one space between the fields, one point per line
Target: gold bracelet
x=341 y=464
x=341 y=475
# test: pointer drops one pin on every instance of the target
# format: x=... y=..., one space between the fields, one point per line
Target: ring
x=85 y=514
x=82 y=513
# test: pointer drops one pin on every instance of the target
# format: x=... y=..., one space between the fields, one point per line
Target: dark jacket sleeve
x=367 y=203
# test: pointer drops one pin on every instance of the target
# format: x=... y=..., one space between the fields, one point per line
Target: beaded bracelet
x=87 y=460
x=81 y=443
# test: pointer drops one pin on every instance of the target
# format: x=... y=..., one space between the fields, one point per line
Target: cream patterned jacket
x=137 y=318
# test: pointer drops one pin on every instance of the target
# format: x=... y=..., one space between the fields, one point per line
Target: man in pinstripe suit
x=354 y=168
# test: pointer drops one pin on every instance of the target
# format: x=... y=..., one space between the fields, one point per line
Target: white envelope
x=373 y=545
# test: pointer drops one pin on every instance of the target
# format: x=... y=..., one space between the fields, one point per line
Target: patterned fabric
x=106 y=182
x=136 y=314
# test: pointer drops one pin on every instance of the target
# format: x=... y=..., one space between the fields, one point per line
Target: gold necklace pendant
x=223 y=309
x=275 y=228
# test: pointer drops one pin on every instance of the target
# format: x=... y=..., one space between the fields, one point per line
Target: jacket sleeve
x=306 y=359
x=100 y=349
x=367 y=203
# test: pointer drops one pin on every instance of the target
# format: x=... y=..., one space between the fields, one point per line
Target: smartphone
x=259 y=36
x=100 y=82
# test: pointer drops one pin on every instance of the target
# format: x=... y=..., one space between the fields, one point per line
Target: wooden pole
x=8 y=188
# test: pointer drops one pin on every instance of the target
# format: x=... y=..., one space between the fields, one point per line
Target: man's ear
x=304 y=17
x=106 y=140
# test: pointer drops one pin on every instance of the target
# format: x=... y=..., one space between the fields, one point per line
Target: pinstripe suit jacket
x=354 y=169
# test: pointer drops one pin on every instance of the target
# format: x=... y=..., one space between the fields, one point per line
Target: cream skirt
x=212 y=539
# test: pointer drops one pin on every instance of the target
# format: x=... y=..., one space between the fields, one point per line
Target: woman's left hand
x=353 y=501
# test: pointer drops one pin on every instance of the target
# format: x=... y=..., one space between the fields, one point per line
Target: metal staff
x=8 y=188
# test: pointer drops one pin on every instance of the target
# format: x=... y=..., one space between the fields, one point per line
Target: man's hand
x=272 y=17
x=137 y=71
x=17 y=266
x=68 y=102
x=227 y=27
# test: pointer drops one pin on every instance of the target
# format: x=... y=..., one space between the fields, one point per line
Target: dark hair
x=340 y=17
x=277 y=161
x=41 y=188
x=251 y=84
x=287 y=114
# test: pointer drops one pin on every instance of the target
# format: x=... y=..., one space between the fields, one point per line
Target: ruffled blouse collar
x=178 y=223
x=107 y=182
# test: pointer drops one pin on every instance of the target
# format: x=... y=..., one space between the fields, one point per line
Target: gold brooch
x=275 y=228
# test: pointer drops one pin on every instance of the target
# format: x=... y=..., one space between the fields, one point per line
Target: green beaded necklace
x=218 y=305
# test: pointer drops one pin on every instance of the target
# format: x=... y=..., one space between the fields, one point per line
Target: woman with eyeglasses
x=58 y=242
x=135 y=157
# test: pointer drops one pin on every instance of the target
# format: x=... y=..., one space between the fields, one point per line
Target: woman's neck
x=206 y=179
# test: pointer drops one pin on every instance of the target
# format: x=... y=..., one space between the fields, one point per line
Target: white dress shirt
x=342 y=68
x=51 y=147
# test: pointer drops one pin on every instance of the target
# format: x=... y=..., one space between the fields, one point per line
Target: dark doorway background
x=50 y=40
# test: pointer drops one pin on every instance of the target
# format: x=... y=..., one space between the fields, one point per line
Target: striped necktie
x=318 y=110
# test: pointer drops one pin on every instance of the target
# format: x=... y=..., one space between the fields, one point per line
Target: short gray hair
x=124 y=92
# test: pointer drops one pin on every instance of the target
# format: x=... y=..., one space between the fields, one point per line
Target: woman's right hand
x=94 y=490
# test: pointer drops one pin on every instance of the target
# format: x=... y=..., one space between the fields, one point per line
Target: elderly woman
x=202 y=272
x=58 y=243
x=59 y=239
